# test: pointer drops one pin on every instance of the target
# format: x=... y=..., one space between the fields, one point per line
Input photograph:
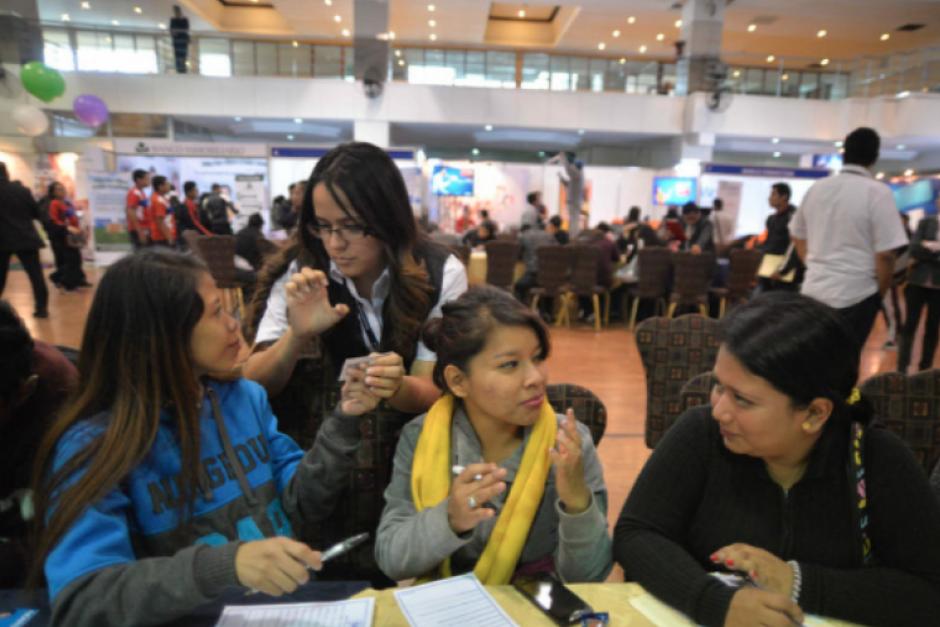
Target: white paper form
x=662 y=615
x=351 y=613
x=457 y=601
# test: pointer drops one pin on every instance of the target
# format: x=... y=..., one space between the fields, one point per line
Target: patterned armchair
x=588 y=408
x=910 y=407
x=672 y=351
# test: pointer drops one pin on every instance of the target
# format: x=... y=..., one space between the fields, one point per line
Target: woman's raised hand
x=309 y=311
x=470 y=490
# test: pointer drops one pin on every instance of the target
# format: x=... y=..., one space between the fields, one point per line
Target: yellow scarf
x=431 y=479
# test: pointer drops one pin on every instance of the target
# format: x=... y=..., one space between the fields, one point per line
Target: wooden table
x=613 y=598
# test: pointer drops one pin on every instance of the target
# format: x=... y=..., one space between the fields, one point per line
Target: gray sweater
x=411 y=543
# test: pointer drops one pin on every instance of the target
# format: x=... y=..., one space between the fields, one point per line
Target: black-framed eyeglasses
x=347 y=232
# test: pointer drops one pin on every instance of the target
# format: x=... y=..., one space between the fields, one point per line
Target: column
x=702 y=23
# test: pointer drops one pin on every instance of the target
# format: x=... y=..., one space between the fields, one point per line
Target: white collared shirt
x=846 y=220
x=274 y=322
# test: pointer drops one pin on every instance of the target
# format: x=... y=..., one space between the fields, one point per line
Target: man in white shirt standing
x=846 y=231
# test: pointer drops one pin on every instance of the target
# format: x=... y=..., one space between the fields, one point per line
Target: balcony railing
x=93 y=49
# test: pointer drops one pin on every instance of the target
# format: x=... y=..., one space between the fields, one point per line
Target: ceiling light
x=238 y=118
x=433 y=37
x=432 y=23
x=161 y=26
x=115 y=23
x=398 y=52
x=488 y=127
x=391 y=34
x=431 y=7
x=751 y=28
x=86 y=5
x=775 y=140
x=880 y=175
x=908 y=172
x=824 y=62
x=580 y=131
x=290 y=138
x=521 y=13
x=298 y=121
x=401 y=62
x=777 y=155
x=642 y=49
x=601 y=46
x=631 y=20
x=885 y=37
x=903 y=94
x=785 y=77
x=821 y=33
x=138 y=10
x=901 y=146
x=771 y=58
x=837 y=144
x=737 y=73
x=295 y=43
x=678 y=23
x=337 y=19
x=346 y=32
x=623 y=60
x=615 y=34
x=475 y=151
x=328 y=3
x=66 y=18
x=660 y=37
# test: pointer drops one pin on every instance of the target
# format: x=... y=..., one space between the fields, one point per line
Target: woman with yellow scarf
x=491 y=479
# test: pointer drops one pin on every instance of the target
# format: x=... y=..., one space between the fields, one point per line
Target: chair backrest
x=191 y=236
x=462 y=252
x=218 y=252
x=692 y=275
x=584 y=262
x=910 y=407
x=508 y=236
x=554 y=266
x=588 y=408
x=742 y=270
x=501 y=257
x=672 y=352
x=697 y=391
x=654 y=264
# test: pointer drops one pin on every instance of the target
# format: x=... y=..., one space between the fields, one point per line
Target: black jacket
x=778 y=232
x=926 y=267
x=18 y=209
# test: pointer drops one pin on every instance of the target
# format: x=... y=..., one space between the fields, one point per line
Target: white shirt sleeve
x=274 y=321
x=454 y=283
x=798 y=222
x=887 y=229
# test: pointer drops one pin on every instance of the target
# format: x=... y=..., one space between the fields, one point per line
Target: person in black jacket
x=247 y=241
x=778 y=241
x=783 y=480
x=18 y=237
x=923 y=288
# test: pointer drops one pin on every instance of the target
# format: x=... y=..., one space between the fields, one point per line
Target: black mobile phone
x=552 y=597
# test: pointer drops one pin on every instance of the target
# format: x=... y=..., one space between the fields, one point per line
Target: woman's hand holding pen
x=474 y=486
x=275 y=566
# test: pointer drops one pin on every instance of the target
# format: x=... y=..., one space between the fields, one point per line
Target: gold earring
x=807 y=425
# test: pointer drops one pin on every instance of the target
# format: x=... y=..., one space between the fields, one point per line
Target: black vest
x=344 y=340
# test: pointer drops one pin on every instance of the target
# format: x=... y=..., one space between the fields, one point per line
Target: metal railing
x=87 y=48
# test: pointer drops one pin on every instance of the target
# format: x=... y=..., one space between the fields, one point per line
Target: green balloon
x=42 y=81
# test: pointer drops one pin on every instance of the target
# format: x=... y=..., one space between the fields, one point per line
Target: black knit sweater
x=694 y=497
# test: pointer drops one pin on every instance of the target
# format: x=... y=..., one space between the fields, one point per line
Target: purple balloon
x=91 y=110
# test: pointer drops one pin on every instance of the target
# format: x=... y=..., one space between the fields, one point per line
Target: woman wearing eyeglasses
x=360 y=280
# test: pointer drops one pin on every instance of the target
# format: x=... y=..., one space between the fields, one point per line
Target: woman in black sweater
x=766 y=482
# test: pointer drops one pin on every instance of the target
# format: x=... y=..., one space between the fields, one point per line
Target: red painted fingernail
x=729 y=562
x=753 y=574
x=714 y=557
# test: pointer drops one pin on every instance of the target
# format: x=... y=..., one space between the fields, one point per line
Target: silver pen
x=457 y=469
x=343 y=547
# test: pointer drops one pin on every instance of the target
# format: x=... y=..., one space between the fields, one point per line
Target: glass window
x=95 y=52
x=57 y=50
x=214 y=57
x=293 y=61
x=753 y=81
x=597 y=69
x=475 y=72
x=456 y=59
x=535 y=70
x=243 y=58
x=349 y=62
x=265 y=58
x=399 y=65
x=616 y=77
x=668 y=82
x=66 y=124
x=501 y=68
x=561 y=79
x=580 y=76
x=809 y=85
x=138 y=125
x=327 y=62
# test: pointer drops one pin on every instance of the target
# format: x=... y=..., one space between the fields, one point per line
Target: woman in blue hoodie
x=164 y=483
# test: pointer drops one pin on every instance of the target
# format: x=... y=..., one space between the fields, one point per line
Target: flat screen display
x=674 y=190
x=451 y=181
x=917 y=194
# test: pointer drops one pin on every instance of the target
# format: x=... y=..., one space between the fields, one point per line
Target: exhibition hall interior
x=425 y=312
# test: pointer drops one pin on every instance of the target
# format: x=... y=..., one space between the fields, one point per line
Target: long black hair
x=801 y=347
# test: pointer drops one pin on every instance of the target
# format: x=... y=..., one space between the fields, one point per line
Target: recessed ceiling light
x=475 y=151
x=631 y=20
x=391 y=34
x=161 y=26
x=908 y=172
x=885 y=37
x=660 y=37
x=775 y=140
x=346 y=32
x=401 y=62
x=138 y=10
x=337 y=18
x=822 y=33
x=642 y=49
x=615 y=34
x=901 y=146
x=298 y=121
x=488 y=127
x=431 y=7
x=295 y=43
x=737 y=73
x=777 y=155
x=433 y=37
x=903 y=94
x=238 y=118
x=751 y=28
x=771 y=58
x=328 y=3
x=880 y=175
x=521 y=13
x=398 y=52
x=824 y=62
x=601 y=46
x=115 y=23
x=785 y=77
x=86 y=5
x=623 y=60
x=678 y=23
x=580 y=131
x=290 y=138
x=66 y=18
x=432 y=23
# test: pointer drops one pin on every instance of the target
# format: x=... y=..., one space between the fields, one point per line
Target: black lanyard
x=370 y=335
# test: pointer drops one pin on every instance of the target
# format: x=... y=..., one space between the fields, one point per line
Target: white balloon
x=30 y=120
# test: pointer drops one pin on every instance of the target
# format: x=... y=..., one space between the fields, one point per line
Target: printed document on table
x=457 y=602
x=351 y=613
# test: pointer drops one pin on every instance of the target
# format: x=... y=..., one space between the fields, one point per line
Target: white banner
x=251 y=194
x=107 y=193
x=187 y=149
